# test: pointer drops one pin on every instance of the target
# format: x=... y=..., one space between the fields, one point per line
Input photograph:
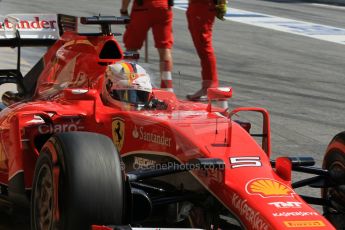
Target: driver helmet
x=126 y=83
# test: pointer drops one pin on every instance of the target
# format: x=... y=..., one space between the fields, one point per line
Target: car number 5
x=237 y=162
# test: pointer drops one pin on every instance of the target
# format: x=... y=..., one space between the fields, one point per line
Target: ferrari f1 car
x=75 y=162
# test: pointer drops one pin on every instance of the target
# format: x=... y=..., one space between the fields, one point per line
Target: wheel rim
x=333 y=193
x=43 y=199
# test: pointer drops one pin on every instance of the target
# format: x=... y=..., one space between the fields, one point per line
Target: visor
x=132 y=96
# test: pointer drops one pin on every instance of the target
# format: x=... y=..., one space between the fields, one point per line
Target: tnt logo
x=291 y=204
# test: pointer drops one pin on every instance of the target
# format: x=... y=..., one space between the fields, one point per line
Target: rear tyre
x=78 y=181
x=334 y=162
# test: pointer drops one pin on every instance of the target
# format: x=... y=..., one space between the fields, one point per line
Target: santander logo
x=30 y=26
x=35 y=24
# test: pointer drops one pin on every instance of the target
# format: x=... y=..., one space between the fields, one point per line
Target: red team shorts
x=155 y=14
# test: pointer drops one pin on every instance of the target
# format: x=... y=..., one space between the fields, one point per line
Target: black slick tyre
x=77 y=182
x=334 y=162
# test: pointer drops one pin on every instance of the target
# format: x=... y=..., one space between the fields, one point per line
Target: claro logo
x=35 y=24
x=59 y=128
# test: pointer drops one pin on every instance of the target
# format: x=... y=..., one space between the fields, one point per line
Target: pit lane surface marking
x=328 y=6
x=317 y=31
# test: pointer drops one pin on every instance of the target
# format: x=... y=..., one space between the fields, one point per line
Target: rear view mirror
x=220 y=95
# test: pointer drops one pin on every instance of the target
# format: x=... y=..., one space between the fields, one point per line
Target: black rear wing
x=105 y=22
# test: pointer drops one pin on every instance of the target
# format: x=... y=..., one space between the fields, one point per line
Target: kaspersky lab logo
x=266 y=187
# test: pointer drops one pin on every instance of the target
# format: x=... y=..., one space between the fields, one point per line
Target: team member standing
x=201 y=16
x=158 y=15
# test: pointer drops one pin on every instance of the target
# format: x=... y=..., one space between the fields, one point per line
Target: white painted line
x=308 y=29
x=328 y=6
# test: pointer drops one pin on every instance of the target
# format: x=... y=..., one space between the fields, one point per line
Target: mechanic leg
x=201 y=27
x=209 y=68
x=200 y=23
x=163 y=39
x=166 y=65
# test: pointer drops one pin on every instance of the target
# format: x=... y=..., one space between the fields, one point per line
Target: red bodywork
x=248 y=187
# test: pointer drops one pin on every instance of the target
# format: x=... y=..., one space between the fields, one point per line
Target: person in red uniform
x=158 y=15
x=201 y=15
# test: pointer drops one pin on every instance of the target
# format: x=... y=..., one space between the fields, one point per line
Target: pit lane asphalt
x=300 y=80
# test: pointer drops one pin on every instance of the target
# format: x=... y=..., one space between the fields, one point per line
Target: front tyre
x=334 y=162
x=78 y=181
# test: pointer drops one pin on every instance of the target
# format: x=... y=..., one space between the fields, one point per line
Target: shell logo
x=266 y=187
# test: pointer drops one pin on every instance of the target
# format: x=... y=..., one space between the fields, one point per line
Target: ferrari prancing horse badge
x=118 y=131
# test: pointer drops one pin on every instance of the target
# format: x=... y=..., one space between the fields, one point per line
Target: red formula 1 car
x=77 y=163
